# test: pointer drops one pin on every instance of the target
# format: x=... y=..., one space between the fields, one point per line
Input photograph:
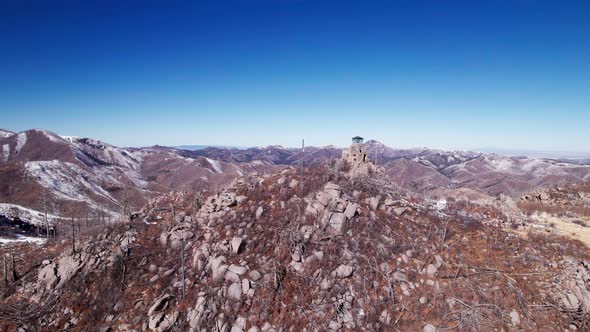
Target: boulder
x=234 y=291
x=232 y=276
x=255 y=275
x=514 y=318
x=374 y=202
x=439 y=261
x=338 y=222
x=399 y=211
x=259 y=212
x=164 y=238
x=332 y=186
x=160 y=304
x=325 y=284
x=236 y=244
x=344 y=271
x=48 y=278
x=334 y=326
x=241 y=199
x=67 y=267
x=218 y=269
x=391 y=202
x=239 y=325
x=237 y=269
x=195 y=316
x=428 y=328
x=323 y=199
x=332 y=190
x=245 y=286
x=157 y=318
x=508 y=201
x=311 y=210
x=228 y=199
x=350 y=210
x=431 y=270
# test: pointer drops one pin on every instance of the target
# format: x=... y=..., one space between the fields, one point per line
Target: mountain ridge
x=86 y=173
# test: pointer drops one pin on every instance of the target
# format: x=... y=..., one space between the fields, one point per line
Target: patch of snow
x=71 y=182
x=65 y=180
x=5 y=133
x=29 y=215
x=238 y=170
x=22 y=238
x=216 y=165
x=21 y=140
x=104 y=152
x=120 y=157
x=71 y=139
x=5 y=152
x=51 y=136
x=441 y=204
x=501 y=165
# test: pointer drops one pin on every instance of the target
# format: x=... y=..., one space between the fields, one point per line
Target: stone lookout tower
x=356 y=152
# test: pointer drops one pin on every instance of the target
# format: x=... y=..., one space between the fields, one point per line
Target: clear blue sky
x=444 y=74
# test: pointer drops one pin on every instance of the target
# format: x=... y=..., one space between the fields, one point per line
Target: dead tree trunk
x=182 y=264
x=45 y=214
x=73 y=237
x=173 y=212
x=14 y=273
x=5 y=272
x=125 y=259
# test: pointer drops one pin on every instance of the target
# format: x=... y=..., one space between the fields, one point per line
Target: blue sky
x=443 y=74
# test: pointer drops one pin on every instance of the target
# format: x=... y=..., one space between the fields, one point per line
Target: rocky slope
x=339 y=253
x=74 y=177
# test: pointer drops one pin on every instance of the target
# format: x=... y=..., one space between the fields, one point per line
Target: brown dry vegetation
x=487 y=271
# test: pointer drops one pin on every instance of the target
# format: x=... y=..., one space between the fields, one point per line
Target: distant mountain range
x=201 y=147
x=565 y=155
x=84 y=175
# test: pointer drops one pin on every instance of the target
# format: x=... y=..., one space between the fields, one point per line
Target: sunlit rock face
x=356 y=155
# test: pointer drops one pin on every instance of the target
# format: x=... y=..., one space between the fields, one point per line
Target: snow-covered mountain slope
x=31 y=216
x=87 y=174
x=5 y=133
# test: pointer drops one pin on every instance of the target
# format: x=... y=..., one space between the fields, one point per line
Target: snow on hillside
x=67 y=181
x=5 y=152
x=106 y=153
x=5 y=133
x=215 y=164
x=29 y=215
x=51 y=136
x=22 y=239
x=501 y=164
x=70 y=139
x=21 y=140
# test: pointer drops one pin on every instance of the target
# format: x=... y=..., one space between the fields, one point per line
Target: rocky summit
x=332 y=247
